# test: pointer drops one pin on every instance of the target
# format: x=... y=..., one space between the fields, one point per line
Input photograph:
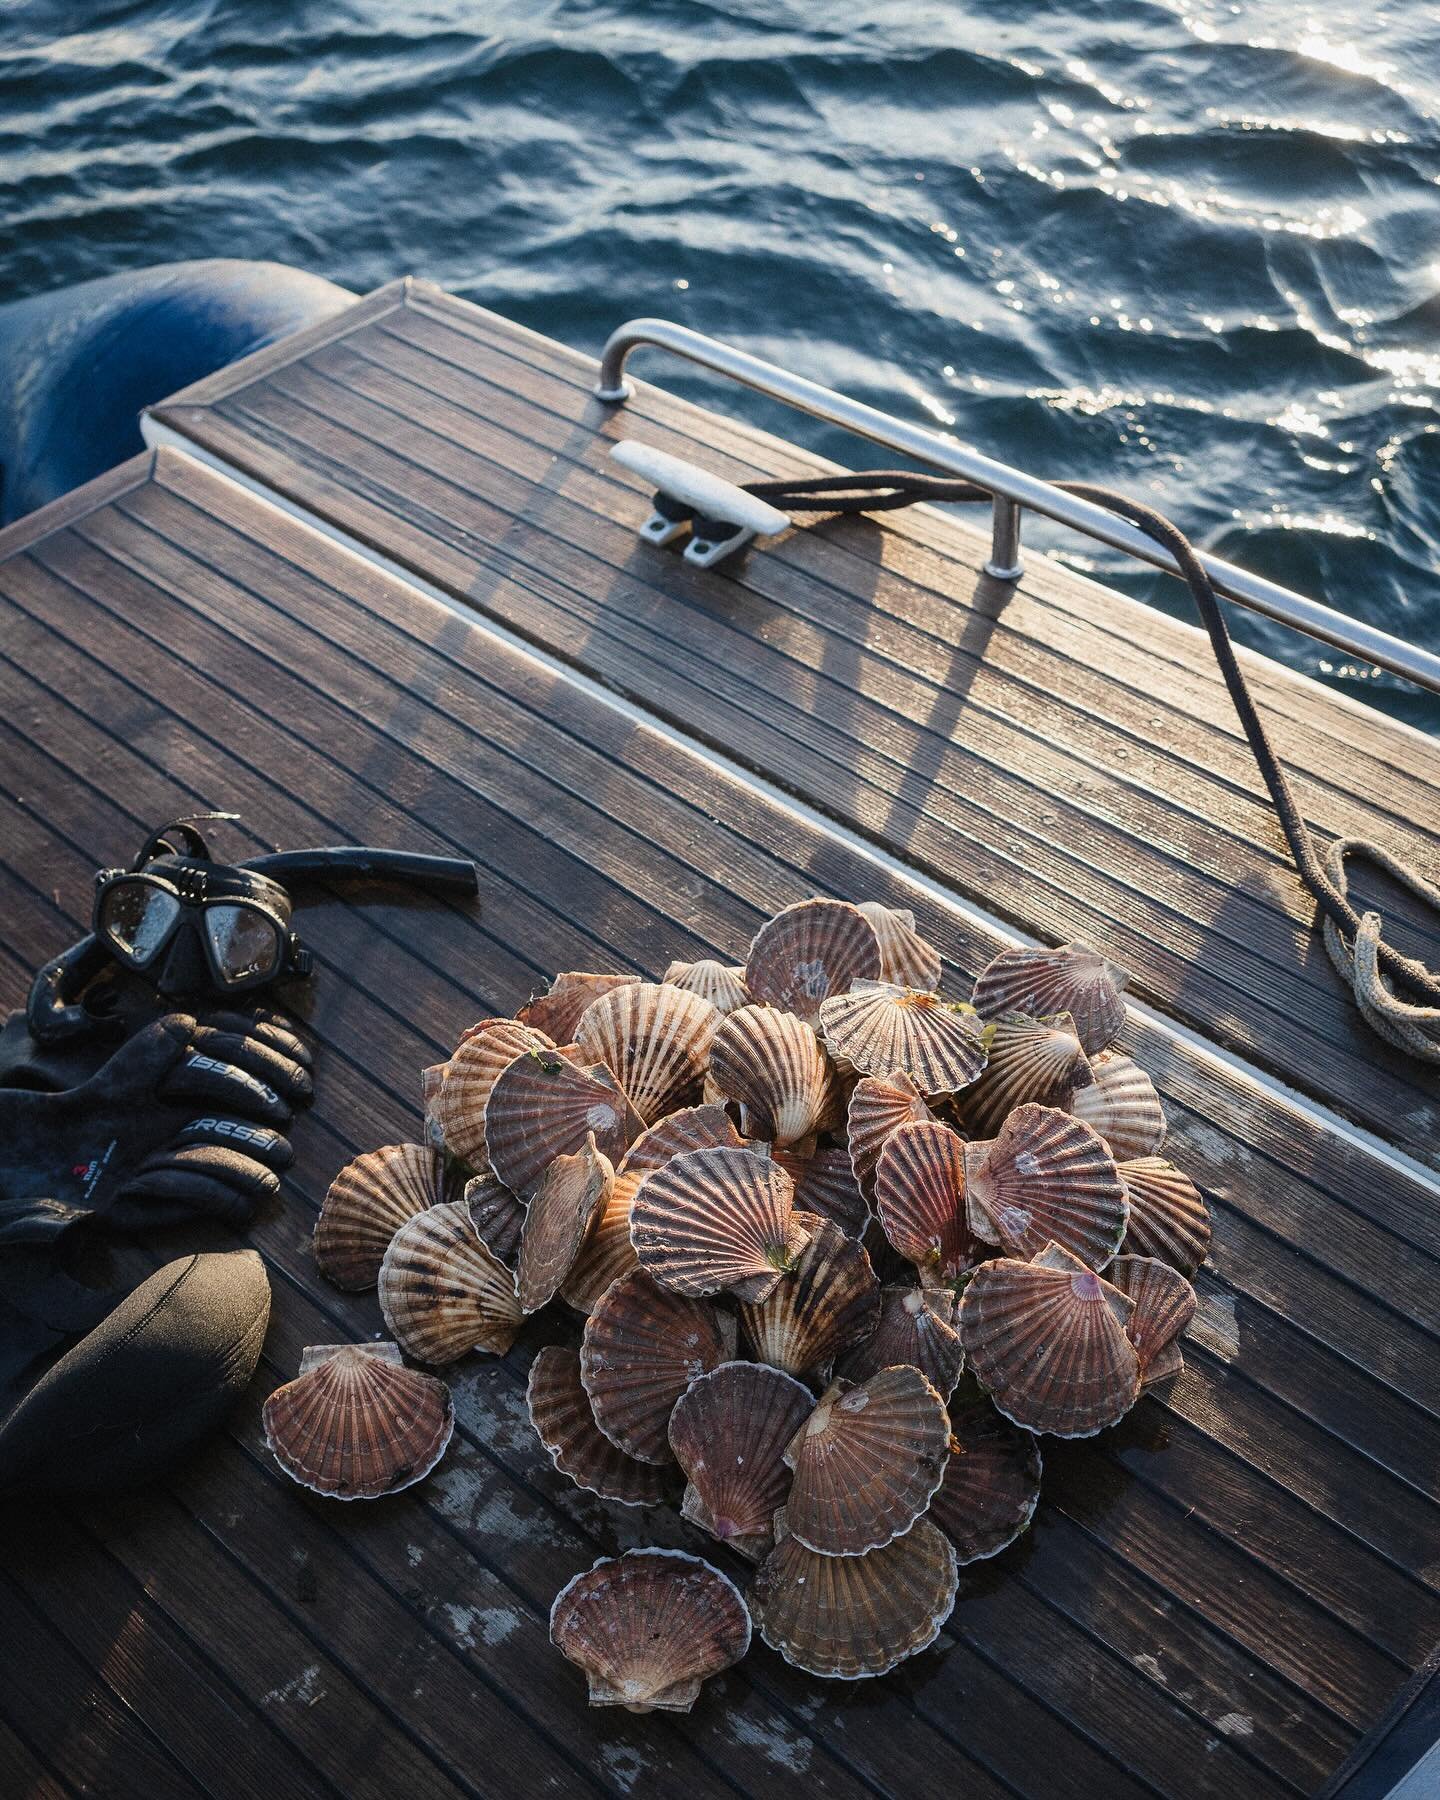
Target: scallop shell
x=541 y=1107
x=442 y=1292
x=1038 y=1060
x=356 y=1424
x=470 y=1075
x=1047 y=1340
x=1046 y=1178
x=917 y=1326
x=878 y=1105
x=607 y=1253
x=775 y=1067
x=717 y=1219
x=1168 y=1216
x=866 y=1462
x=565 y=1425
x=692 y=1128
x=367 y=1203
x=643 y=1346
x=831 y=1301
x=905 y=957
x=569 y=1199
x=991 y=1485
x=808 y=952
x=723 y=987
x=560 y=1010
x=849 y=1617
x=1164 y=1306
x=1122 y=1105
x=920 y=1201
x=498 y=1216
x=1071 y=980
x=879 y=1029
x=825 y=1183
x=648 y=1628
x=729 y=1433
x=654 y=1039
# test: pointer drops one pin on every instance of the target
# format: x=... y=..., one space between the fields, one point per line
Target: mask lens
x=245 y=942
x=137 y=918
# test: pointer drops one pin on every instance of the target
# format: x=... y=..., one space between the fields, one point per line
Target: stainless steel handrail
x=1012 y=490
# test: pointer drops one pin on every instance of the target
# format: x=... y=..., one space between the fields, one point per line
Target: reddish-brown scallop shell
x=1122 y=1105
x=542 y=1106
x=992 y=1482
x=722 y=986
x=1164 y=1306
x=1070 y=980
x=559 y=1011
x=498 y=1216
x=442 y=1292
x=917 y=1326
x=920 y=1201
x=775 y=1068
x=714 y=1220
x=468 y=1077
x=729 y=1433
x=1168 y=1215
x=879 y=1104
x=367 y=1203
x=879 y=1029
x=654 y=1039
x=691 y=1128
x=607 y=1253
x=1036 y=1060
x=808 y=952
x=825 y=1183
x=565 y=1425
x=1046 y=1178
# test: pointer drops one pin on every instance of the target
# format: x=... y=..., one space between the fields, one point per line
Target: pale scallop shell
x=1047 y=1340
x=917 y=1326
x=905 y=957
x=1070 y=980
x=356 y=1424
x=649 y=1627
x=543 y=1106
x=851 y=1617
x=723 y=987
x=1046 y=1178
x=825 y=1183
x=714 y=1220
x=560 y=1010
x=706 y=1127
x=880 y=1029
x=1038 y=1060
x=878 y=1104
x=1168 y=1216
x=1122 y=1105
x=866 y=1462
x=470 y=1075
x=498 y=1215
x=729 y=1433
x=920 y=1201
x=775 y=1068
x=567 y=1202
x=564 y=1423
x=808 y=952
x=831 y=1301
x=992 y=1482
x=654 y=1039
x=1164 y=1306
x=367 y=1203
x=607 y=1253
x=442 y=1292
x=643 y=1346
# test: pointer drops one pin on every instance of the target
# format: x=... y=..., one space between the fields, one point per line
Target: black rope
x=885 y=490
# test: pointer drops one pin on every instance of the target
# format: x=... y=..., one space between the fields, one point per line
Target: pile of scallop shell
x=842 y=1249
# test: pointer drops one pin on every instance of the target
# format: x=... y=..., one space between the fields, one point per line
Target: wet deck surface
x=1218 y=1599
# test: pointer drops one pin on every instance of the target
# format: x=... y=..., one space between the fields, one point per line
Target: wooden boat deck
x=1222 y=1597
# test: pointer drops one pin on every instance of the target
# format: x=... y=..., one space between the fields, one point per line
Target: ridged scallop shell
x=1168 y=1216
x=866 y=1462
x=1047 y=1340
x=773 y=1065
x=654 y=1039
x=567 y=1202
x=1071 y=980
x=717 y=1219
x=643 y=1346
x=1046 y=1178
x=829 y=1302
x=917 y=1326
x=808 y=952
x=1122 y=1105
x=1038 y=1060
x=367 y=1203
x=1164 y=1306
x=470 y=1075
x=649 y=1627
x=920 y=1201
x=905 y=957
x=497 y=1215
x=991 y=1485
x=560 y=1010
x=723 y=987
x=692 y=1128
x=442 y=1292
x=607 y=1253
x=729 y=1433
x=850 y=1617
x=565 y=1425
x=541 y=1107
x=879 y=1029
x=825 y=1183
x=878 y=1105
x=356 y=1424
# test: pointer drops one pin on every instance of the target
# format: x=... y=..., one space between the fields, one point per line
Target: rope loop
x=1413 y=1029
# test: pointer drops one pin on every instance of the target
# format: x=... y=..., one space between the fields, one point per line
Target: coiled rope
x=1410 y=1021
